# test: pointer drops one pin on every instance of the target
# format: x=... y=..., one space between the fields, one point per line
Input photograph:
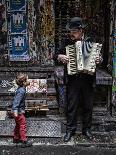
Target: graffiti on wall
x=8 y=85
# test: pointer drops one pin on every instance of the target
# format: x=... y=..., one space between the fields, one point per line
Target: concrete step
x=35 y=127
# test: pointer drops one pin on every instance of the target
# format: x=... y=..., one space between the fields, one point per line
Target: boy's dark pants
x=20 y=128
x=79 y=84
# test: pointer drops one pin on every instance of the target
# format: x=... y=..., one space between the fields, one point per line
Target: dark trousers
x=20 y=128
x=79 y=85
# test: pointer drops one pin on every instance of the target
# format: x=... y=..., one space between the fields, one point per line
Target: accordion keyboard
x=72 y=65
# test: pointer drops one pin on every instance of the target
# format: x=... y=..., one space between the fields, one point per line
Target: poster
x=18 y=39
x=17 y=5
x=37 y=86
x=17 y=22
x=18 y=47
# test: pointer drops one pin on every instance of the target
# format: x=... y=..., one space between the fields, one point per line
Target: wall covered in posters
x=36 y=20
x=45 y=28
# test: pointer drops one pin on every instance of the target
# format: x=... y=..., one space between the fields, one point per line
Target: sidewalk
x=55 y=146
x=69 y=149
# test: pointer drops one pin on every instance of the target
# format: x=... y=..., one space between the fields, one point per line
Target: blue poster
x=18 y=47
x=17 y=22
x=17 y=5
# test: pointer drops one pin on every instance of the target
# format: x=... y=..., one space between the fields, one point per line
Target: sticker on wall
x=18 y=47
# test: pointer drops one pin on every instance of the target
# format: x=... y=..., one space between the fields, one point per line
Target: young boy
x=18 y=110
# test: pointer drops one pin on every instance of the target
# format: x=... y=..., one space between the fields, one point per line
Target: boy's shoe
x=26 y=144
x=16 y=141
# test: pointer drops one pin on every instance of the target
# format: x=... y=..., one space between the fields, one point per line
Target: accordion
x=82 y=57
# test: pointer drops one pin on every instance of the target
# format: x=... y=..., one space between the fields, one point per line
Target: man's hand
x=63 y=58
x=99 y=59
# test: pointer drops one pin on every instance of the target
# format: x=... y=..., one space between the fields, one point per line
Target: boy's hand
x=63 y=58
x=15 y=114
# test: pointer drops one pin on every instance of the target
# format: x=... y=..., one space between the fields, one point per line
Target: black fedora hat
x=75 y=23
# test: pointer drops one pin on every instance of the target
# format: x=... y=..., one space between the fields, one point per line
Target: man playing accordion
x=79 y=49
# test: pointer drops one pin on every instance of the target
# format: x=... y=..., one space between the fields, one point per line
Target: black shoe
x=26 y=144
x=67 y=136
x=88 y=134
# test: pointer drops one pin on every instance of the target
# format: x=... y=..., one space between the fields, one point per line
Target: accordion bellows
x=82 y=57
